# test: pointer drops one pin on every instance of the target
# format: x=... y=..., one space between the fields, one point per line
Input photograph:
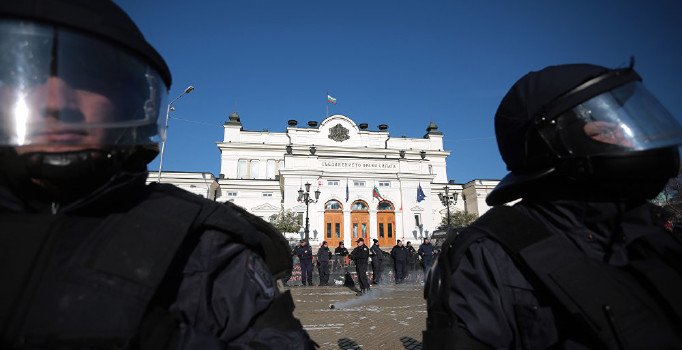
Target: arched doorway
x=333 y=223
x=359 y=222
x=386 y=224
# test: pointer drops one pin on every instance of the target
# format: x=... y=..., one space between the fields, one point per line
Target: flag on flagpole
x=330 y=99
x=420 y=193
x=376 y=194
x=347 y=193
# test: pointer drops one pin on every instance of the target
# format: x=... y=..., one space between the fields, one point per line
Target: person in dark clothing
x=305 y=255
x=377 y=256
x=93 y=258
x=426 y=254
x=411 y=259
x=399 y=254
x=360 y=255
x=340 y=254
x=324 y=255
x=581 y=261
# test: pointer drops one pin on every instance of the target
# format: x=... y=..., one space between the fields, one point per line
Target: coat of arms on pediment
x=338 y=133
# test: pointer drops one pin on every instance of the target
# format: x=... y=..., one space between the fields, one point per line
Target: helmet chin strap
x=85 y=165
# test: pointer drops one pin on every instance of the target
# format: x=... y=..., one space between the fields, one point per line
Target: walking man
x=360 y=255
x=377 y=262
x=323 y=257
x=399 y=254
x=305 y=256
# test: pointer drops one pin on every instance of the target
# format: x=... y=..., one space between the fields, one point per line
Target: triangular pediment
x=417 y=208
x=265 y=206
x=298 y=208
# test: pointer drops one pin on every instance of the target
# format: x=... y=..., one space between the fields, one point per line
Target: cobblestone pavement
x=389 y=317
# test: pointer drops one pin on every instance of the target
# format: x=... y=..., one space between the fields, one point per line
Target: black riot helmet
x=581 y=131
x=81 y=88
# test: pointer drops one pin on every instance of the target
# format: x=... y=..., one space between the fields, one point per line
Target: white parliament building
x=264 y=171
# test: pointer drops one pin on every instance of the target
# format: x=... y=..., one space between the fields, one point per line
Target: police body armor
x=586 y=294
x=120 y=279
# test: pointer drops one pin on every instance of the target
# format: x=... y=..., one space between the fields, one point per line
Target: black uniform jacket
x=222 y=289
x=376 y=253
x=399 y=253
x=304 y=252
x=499 y=307
x=324 y=254
x=360 y=255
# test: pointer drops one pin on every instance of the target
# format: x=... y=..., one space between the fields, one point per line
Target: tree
x=286 y=221
x=459 y=218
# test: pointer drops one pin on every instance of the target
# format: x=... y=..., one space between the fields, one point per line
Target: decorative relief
x=338 y=133
x=265 y=206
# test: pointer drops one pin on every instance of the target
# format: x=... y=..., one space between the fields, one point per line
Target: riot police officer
x=305 y=256
x=324 y=255
x=425 y=252
x=580 y=261
x=399 y=254
x=92 y=256
x=377 y=256
x=360 y=255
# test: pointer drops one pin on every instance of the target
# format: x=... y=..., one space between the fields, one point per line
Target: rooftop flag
x=331 y=100
x=420 y=193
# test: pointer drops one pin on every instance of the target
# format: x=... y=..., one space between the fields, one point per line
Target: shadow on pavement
x=348 y=344
x=411 y=343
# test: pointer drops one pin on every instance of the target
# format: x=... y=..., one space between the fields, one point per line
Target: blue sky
x=402 y=63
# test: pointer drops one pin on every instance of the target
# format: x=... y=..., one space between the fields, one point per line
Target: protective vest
x=588 y=294
x=123 y=266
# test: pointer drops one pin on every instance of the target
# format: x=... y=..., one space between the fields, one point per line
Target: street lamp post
x=304 y=197
x=163 y=143
x=448 y=201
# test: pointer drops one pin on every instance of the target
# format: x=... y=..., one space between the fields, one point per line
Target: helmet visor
x=61 y=87
x=627 y=118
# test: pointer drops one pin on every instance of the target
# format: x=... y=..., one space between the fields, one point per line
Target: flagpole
x=326 y=104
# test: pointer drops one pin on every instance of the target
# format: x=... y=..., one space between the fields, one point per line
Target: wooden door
x=333 y=227
x=359 y=226
x=386 y=224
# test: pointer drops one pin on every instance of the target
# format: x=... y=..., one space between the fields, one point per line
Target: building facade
x=367 y=180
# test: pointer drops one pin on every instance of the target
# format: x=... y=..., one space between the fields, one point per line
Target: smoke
x=366 y=298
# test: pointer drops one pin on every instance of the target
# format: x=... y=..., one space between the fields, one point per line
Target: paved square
x=389 y=317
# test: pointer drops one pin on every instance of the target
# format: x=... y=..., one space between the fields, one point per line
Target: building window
x=267 y=194
x=417 y=220
x=333 y=205
x=332 y=182
x=358 y=183
x=242 y=169
x=254 y=169
x=359 y=205
x=232 y=194
x=384 y=205
x=430 y=169
x=384 y=184
x=271 y=169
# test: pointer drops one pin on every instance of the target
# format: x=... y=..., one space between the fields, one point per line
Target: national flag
x=420 y=193
x=331 y=100
x=347 y=193
x=376 y=194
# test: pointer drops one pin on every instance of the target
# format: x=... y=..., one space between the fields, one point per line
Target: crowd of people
x=399 y=264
